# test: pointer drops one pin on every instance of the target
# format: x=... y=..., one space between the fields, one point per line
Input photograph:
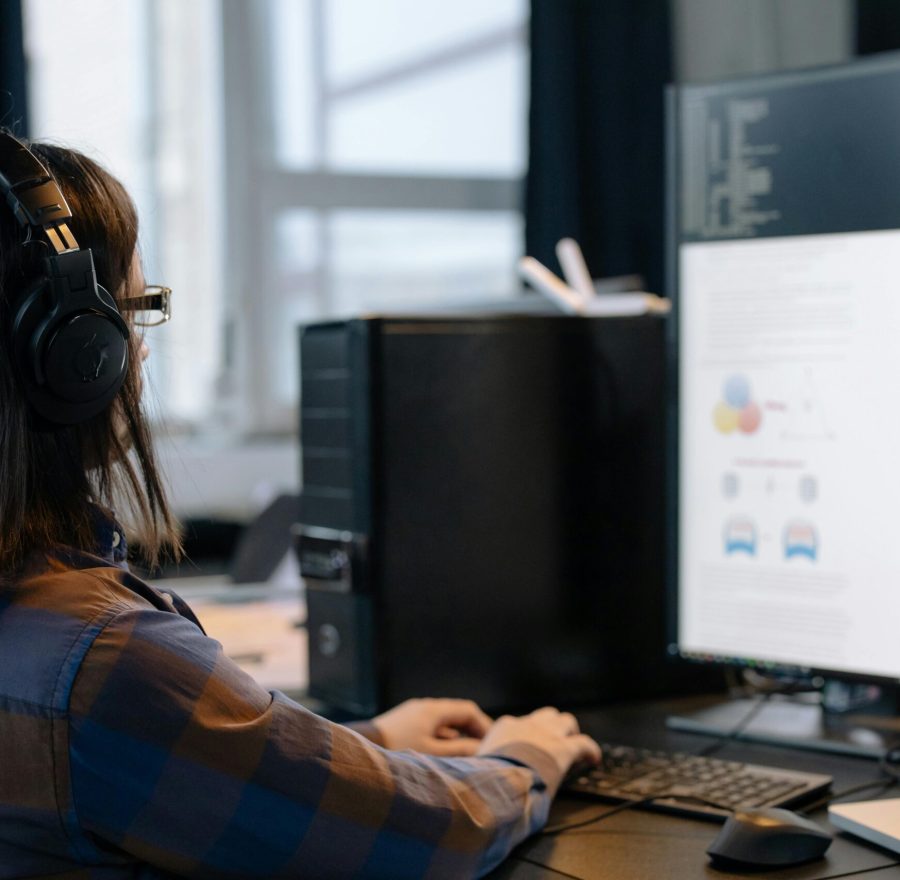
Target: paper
x=876 y=821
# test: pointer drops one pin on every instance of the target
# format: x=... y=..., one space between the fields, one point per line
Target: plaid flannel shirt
x=130 y=746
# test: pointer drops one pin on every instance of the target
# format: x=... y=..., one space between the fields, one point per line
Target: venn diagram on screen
x=737 y=411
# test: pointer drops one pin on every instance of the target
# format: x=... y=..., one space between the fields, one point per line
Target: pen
x=550 y=285
x=575 y=269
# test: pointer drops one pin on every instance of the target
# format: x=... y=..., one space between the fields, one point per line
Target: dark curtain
x=877 y=26
x=13 y=102
x=596 y=133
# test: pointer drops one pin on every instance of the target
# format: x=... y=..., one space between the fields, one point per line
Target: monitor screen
x=784 y=231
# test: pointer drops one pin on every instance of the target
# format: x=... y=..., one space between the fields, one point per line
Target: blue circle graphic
x=737 y=391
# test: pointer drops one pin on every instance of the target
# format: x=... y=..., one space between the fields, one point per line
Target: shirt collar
x=109 y=538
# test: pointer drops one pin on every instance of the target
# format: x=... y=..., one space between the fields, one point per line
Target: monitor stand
x=822 y=722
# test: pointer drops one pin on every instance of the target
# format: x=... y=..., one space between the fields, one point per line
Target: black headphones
x=69 y=342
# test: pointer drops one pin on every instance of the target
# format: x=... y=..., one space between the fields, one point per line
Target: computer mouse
x=768 y=838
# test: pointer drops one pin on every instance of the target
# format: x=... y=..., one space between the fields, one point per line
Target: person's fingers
x=563 y=722
x=546 y=712
x=471 y=718
x=446 y=732
x=463 y=747
x=464 y=715
x=585 y=748
x=569 y=723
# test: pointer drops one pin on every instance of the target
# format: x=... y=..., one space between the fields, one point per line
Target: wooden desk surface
x=641 y=845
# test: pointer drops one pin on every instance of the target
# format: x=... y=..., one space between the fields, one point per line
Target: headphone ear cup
x=69 y=342
x=85 y=359
x=73 y=360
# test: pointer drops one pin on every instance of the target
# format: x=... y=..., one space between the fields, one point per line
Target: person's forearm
x=279 y=788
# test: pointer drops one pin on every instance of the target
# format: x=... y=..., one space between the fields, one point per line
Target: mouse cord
x=631 y=805
x=554 y=871
x=619 y=808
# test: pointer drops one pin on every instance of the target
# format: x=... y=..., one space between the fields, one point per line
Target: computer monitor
x=784 y=262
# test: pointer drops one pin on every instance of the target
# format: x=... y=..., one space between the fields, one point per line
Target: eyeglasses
x=151 y=309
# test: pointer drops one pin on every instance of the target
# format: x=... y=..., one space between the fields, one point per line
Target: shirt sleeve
x=368 y=729
x=179 y=759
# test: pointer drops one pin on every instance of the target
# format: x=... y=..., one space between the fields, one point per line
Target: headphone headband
x=34 y=196
x=69 y=340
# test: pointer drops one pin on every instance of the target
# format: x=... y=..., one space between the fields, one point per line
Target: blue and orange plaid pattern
x=130 y=746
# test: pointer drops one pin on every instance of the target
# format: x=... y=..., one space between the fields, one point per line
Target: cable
x=831 y=797
x=521 y=858
x=738 y=728
x=630 y=805
x=888 y=763
x=764 y=692
x=761 y=681
x=619 y=808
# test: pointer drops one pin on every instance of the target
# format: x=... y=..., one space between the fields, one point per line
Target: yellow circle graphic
x=725 y=417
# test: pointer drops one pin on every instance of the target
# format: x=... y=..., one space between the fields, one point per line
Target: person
x=130 y=746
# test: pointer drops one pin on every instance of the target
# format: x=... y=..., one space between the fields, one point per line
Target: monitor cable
x=725 y=739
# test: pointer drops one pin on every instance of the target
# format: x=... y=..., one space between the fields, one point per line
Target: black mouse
x=768 y=838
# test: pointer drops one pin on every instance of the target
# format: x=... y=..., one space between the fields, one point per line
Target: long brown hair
x=51 y=478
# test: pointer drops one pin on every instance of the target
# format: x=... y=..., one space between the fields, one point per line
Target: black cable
x=630 y=805
x=764 y=682
x=738 y=728
x=831 y=797
x=619 y=808
x=782 y=688
x=538 y=864
x=890 y=761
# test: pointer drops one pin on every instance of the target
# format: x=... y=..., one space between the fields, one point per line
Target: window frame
x=258 y=190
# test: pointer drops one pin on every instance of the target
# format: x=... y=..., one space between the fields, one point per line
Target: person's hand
x=555 y=732
x=437 y=727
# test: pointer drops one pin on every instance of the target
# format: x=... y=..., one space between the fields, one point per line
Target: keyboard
x=691 y=785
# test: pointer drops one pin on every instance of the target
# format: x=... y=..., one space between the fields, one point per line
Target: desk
x=259 y=626
x=641 y=845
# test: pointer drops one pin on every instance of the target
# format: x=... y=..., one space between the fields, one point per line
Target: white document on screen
x=789 y=501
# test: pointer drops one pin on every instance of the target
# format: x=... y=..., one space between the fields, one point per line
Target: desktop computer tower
x=482 y=511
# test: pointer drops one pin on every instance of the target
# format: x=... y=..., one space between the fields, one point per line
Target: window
x=108 y=77
x=292 y=160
